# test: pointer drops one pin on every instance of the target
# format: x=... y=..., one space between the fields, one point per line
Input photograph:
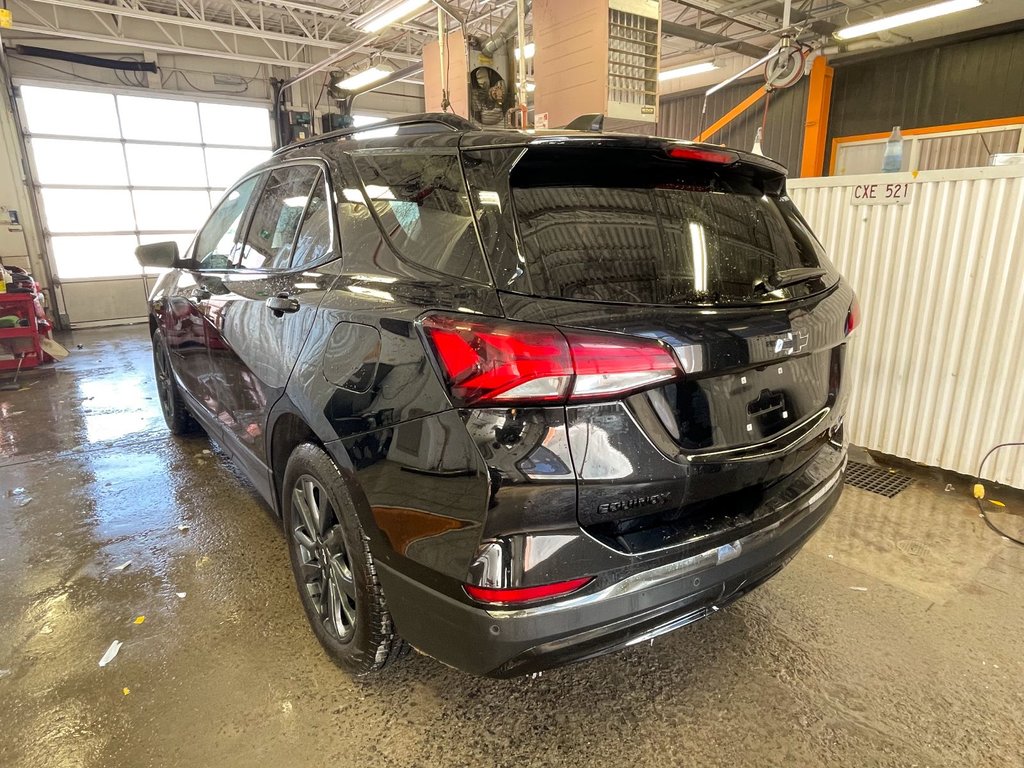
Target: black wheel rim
x=163 y=381
x=325 y=567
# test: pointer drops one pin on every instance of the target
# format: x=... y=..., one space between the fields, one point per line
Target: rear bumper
x=643 y=605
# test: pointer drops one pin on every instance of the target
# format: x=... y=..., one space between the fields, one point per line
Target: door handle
x=282 y=303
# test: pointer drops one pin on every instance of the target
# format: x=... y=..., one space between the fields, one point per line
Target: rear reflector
x=853 y=316
x=487 y=361
x=525 y=594
x=720 y=156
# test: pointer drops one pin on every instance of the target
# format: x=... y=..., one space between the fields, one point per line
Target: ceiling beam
x=192 y=22
x=711 y=38
x=154 y=46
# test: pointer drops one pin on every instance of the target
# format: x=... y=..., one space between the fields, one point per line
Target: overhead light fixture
x=362 y=79
x=531 y=48
x=907 y=17
x=692 y=69
x=388 y=13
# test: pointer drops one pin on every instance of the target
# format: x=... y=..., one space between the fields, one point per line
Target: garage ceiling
x=296 y=34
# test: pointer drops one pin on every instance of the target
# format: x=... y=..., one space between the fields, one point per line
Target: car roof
x=448 y=131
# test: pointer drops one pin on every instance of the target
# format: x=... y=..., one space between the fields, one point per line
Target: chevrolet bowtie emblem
x=789 y=343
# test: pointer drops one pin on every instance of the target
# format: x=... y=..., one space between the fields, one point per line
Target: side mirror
x=160 y=255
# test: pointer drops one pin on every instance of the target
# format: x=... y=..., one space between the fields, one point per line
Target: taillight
x=525 y=594
x=606 y=364
x=853 y=316
x=721 y=156
x=500 y=362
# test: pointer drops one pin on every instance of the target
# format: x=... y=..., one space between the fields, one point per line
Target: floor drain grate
x=886 y=482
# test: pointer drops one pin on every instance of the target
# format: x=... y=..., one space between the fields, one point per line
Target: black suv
x=520 y=398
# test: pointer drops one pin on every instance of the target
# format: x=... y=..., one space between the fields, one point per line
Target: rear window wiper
x=786 y=277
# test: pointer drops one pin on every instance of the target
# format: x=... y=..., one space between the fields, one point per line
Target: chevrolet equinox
x=518 y=398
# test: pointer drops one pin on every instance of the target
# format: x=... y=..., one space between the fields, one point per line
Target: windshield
x=635 y=227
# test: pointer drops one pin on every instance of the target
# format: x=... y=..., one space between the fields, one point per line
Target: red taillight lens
x=853 y=316
x=606 y=364
x=525 y=594
x=721 y=156
x=500 y=362
x=486 y=361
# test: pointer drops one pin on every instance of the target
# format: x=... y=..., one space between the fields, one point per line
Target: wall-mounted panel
x=936 y=364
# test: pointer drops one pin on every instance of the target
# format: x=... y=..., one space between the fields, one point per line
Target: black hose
x=91 y=61
x=977 y=498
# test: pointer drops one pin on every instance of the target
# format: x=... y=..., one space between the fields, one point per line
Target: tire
x=176 y=414
x=333 y=568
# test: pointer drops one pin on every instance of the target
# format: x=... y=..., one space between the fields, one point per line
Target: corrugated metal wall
x=938 y=364
x=951 y=83
x=784 y=135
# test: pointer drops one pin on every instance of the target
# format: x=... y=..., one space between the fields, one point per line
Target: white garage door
x=115 y=170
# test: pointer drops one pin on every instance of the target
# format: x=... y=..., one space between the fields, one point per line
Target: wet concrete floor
x=894 y=638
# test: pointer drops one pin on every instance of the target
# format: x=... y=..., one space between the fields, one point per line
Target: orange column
x=819 y=100
x=731 y=115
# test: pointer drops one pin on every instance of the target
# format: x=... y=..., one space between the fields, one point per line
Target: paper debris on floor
x=181 y=594
x=859 y=589
x=111 y=653
x=126 y=691
x=139 y=619
x=183 y=528
x=122 y=566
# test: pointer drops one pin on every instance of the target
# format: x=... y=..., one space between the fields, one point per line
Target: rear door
x=264 y=305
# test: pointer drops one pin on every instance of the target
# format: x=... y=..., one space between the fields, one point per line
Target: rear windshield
x=628 y=227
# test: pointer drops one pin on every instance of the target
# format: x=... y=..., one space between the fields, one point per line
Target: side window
x=422 y=205
x=316 y=235
x=217 y=238
x=268 y=245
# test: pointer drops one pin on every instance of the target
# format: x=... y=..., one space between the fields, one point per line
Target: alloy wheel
x=325 y=565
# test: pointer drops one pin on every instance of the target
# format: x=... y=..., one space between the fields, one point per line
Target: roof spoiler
x=592 y=123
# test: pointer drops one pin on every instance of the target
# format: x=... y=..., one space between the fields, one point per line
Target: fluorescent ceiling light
x=692 y=69
x=360 y=79
x=531 y=48
x=387 y=14
x=907 y=17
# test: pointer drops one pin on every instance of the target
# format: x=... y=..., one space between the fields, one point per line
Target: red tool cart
x=22 y=339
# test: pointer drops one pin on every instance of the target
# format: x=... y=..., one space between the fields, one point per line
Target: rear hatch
x=702 y=250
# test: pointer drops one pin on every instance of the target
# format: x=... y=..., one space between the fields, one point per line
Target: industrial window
x=117 y=170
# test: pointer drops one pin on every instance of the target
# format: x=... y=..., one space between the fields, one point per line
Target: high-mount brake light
x=488 y=361
x=719 y=156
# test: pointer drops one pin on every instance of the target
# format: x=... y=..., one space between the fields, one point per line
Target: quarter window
x=423 y=208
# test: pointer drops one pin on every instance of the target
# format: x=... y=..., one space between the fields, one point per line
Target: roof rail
x=445 y=119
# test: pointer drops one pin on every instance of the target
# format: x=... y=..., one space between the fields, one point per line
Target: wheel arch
x=288 y=431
